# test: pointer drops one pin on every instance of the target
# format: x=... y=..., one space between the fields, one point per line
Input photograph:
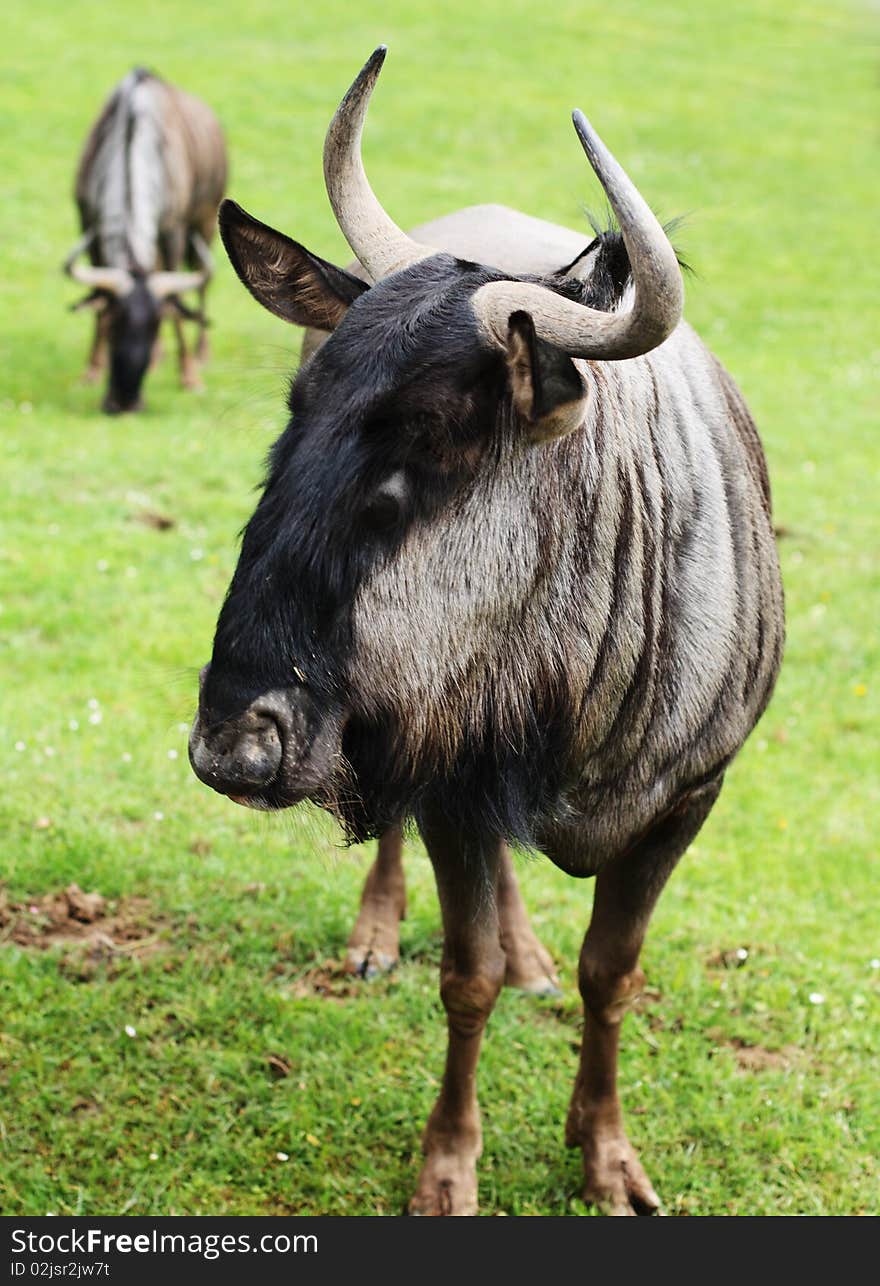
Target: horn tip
x=362 y=86
x=588 y=139
x=582 y=126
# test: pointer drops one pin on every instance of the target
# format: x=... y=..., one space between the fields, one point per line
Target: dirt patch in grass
x=330 y=981
x=755 y=1058
x=89 y=928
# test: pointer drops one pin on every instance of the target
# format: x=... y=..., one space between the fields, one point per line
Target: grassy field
x=213 y=1062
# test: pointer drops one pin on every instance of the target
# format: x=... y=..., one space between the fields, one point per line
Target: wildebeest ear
x=283 y=276
x=547 y=388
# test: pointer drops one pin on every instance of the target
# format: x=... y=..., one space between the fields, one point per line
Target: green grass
x=759 y=118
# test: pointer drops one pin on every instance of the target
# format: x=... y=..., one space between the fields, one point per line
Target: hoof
x=447 y=1186
x=531 y=969
x=614 y=1180
x=537 y=987
x=368 y=963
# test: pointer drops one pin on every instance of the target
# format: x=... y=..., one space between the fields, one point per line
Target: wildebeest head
x=131 y=305
x=401 y=529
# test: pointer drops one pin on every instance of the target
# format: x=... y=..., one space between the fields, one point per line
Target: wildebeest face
x=132 y=326
x=397 y=431
x=131 y=306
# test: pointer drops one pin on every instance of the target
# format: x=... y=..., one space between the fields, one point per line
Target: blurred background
x=186 y=1043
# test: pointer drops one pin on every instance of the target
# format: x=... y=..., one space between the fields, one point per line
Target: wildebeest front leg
x=189 y=368
x=202 y=349
x=157 y=352
x=471 y=976
x=97 y=361
x=374 y=945
x=610 y=980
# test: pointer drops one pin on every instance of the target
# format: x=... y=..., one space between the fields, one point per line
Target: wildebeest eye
x=384 y=509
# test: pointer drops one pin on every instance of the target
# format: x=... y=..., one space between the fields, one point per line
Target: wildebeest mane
x=610 y=271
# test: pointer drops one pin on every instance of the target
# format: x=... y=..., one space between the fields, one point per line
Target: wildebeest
x=512 y=575
x=150 y=178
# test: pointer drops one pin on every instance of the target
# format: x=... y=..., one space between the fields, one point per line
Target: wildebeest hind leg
x=471 y=976
x=610 y=980
x=374 y=945
x=529 y=965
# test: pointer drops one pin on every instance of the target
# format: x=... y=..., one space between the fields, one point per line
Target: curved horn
x=79 y=248
x=588 y=332
x=163 y=284
x=375 y=238
x=116 y=281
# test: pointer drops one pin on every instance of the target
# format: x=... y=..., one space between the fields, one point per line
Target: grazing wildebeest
x=512 y=575
x=150 y=178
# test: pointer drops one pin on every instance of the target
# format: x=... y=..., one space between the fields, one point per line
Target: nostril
x=255 y=757
x=235 y=761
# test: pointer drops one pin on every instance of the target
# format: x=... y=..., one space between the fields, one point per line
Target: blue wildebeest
x=150 y=179
x=513 y=576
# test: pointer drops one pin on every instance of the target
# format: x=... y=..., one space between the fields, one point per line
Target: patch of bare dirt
x=328 y=979
x=91 y=929
x=755 y=1058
